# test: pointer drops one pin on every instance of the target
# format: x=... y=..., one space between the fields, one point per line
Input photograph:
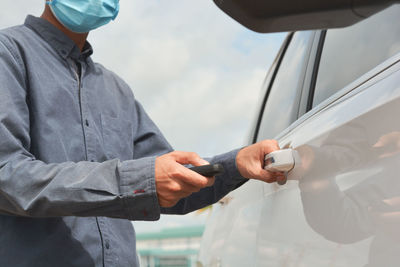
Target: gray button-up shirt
x=77 y=155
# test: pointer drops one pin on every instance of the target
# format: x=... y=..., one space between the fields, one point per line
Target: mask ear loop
x=116 y=12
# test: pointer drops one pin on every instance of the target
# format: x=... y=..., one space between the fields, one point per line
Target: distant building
x=177 y=247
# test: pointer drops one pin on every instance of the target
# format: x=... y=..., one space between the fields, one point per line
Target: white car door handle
x=281 y=160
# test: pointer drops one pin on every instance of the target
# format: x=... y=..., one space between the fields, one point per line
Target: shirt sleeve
x=30 y=187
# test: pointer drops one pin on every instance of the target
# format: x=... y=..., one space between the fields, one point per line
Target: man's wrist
x=228 y=160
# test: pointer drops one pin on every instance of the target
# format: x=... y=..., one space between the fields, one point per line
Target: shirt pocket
x=117 y=137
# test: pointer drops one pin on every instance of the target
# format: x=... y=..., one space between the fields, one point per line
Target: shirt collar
x=64 y=46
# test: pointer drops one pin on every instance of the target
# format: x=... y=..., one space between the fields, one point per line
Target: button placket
x=109 y=253
x=86 y=118
x=84 y=110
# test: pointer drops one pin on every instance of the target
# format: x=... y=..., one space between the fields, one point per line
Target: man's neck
x=78 y=38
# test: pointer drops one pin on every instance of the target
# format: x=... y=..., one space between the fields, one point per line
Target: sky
x=197 y=72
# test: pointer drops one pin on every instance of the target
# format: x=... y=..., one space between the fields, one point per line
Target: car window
x=282 y=105
x=350 y=52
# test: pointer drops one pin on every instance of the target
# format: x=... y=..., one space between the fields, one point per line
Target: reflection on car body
x=337 y=93
x=370 y=207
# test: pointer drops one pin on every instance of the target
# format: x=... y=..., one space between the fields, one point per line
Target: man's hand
x=174 y=181
x=250 y=162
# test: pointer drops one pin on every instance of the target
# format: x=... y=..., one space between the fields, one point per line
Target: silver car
x=334 y=97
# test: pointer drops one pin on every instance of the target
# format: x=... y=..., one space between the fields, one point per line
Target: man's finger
x=188 y=158
x=270 y=177
x=191 y=177
x=269 y=146
x=281 y=179
x=189 y=189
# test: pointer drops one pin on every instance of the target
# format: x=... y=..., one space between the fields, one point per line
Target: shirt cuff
x=232 y=175
x=138 y=189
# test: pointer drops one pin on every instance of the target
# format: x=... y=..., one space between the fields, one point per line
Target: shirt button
x=87 y=123
x=107 y=245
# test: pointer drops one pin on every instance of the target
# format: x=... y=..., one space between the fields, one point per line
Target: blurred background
x=196 y=72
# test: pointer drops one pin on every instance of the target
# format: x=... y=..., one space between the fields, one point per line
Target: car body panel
x=340 y=148
x=348 y=148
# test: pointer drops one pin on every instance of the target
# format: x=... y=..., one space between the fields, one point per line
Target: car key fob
x=209 y=170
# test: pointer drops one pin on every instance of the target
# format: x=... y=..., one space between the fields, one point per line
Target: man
x=79 y=157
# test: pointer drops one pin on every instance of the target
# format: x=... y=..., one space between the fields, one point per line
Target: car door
x=341 y=204
x=230 y=238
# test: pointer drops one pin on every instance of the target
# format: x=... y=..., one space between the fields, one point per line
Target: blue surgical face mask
x=82 y=16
